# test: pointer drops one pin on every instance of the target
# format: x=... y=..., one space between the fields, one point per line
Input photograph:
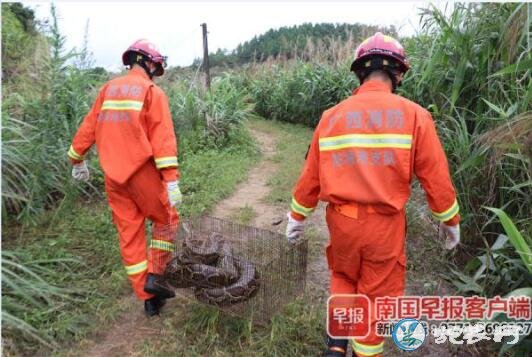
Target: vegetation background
x=470 y=68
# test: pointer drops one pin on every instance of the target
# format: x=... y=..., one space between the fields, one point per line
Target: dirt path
x=252 y=192
x=119 y=338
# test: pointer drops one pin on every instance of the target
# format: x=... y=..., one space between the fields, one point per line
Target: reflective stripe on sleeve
x=367 y=350
x=73 y=154
x=162 y=245
x=448 y=213
x=299 y=208
x=136 y=268
x=167 y=161
x=122 y=105
x=397 y=141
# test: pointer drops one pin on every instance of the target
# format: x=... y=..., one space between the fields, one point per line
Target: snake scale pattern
x=209 y=267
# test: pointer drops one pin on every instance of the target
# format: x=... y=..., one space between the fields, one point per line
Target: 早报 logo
x=409 y=334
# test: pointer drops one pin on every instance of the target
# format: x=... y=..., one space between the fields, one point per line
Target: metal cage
x=244 y=271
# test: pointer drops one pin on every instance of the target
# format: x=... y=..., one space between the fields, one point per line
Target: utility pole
x=206 y=57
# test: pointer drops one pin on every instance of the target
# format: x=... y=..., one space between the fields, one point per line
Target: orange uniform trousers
x=143 y=196
x=366 y=255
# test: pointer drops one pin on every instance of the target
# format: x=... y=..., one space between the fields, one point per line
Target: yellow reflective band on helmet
x=168 y=161
x=122 y=105
x=73 y=154
x=299 y=208
x=397 y=141
x=387 y=38
x=162 y=245
x=136 y=268
x=367 y=350
x=448 y=213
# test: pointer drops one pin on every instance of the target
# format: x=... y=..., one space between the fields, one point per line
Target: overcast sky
x=175 y=26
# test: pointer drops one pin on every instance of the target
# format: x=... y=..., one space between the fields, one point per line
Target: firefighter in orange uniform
x=362 y=158
x=130 y=124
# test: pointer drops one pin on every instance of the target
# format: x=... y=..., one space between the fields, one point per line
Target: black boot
x=156 y=285
x=153 y=306
x=336 y=347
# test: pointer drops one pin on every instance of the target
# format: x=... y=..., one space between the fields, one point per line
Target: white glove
x=294 y=229
x=451 y=233
x=174 y=193
x=80 y=172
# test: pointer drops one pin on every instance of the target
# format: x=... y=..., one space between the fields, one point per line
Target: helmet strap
x=141 y=61
x=146 y=68
x=393 y=78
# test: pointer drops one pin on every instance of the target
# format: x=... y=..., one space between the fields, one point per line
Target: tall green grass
x=521 y=244
x=41 y=110
x=469 y=68
x=497 y=271
x=58 y=278
x=209 y=116
x=27 y=286
x=298 y=92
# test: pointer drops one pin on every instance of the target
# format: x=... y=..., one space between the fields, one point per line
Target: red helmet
x=149 y=50
x=380 y=45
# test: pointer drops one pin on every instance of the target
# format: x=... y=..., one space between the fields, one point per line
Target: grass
x=198 y=330
x=92 y=275
x=244 y=215
x=299 y=92
x=41 y=107
x=210 y=175
x=480 y=101
x=292 y=144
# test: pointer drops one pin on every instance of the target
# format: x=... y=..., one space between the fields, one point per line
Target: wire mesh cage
x=245 y=271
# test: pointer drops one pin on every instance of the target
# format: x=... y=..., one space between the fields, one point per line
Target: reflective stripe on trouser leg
x=362 y=349
x=160 y=252
x=137 y=274
x=162 y=245
x=137 y=268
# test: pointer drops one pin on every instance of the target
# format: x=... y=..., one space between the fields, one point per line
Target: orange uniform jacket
x=130 y=123
x=367 y=148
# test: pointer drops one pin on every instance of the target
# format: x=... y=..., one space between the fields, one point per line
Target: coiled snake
x=209 y=267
